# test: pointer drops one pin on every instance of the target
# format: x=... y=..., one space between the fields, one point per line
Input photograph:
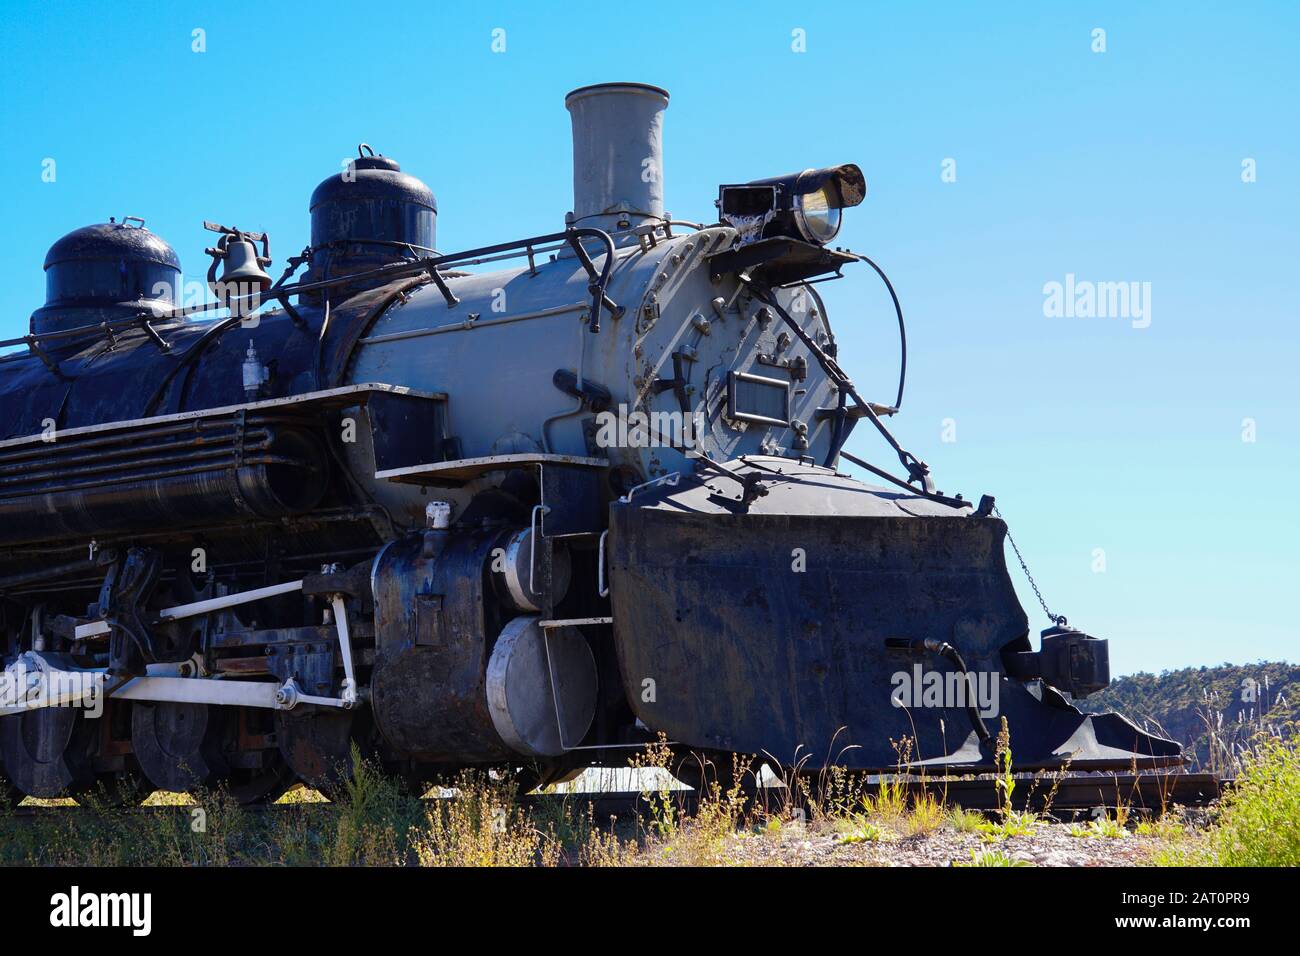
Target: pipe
x=42 y=574
x=617 y=155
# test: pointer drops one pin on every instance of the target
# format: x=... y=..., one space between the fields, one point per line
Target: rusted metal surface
x=317 y=743
x=242 y=665
x=434 y=623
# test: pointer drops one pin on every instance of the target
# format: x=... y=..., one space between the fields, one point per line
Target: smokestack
x=617 y=154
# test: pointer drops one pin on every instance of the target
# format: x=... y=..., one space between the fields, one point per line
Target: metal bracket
x=348 y=692
x=602 y=589
x=679 y=383
x=445 y=289
x=532 y=544
x=797 y=366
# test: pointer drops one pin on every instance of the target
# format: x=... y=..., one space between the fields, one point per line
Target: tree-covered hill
x=1213 y=711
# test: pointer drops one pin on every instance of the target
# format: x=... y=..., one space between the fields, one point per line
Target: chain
x=1054 y=618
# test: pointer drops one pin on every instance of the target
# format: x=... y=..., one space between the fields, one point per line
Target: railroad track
x=1081 y=791
x=1065 y=794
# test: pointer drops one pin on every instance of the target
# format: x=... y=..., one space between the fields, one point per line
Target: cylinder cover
x=529 y=669
x=518 y=572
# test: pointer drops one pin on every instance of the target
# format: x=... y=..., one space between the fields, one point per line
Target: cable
x=902 y=328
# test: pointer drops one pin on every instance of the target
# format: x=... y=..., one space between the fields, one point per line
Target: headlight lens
x=817 y=218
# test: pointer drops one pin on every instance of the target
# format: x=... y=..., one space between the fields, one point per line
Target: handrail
x=428 y=264
x=917 y=470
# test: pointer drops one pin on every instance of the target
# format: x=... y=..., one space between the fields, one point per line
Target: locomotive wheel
x=52 y=752
x=267 y=778
x=48 y=752
x=179 y=746
x=317 y=744
x=537 y=773
x=266 y=784
x=183 y=747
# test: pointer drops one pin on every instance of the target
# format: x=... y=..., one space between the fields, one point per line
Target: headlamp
x=806 y=206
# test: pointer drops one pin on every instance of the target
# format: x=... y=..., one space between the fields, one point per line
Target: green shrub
x=1259 y=823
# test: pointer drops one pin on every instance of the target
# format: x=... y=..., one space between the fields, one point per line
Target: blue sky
x=1115 y=166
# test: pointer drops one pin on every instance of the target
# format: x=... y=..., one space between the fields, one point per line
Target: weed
x=927 y=814
x=965 y=821
x=1005 y=780
x=657 y=758
x=1013 y=823
x=1259 y=823
x=480 y=825
x=863 y=833
x=1167 y=826
x=992 y=858
x=1102 y=827
x=373 y=817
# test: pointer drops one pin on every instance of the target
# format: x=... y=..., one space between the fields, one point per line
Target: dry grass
x=479 y=821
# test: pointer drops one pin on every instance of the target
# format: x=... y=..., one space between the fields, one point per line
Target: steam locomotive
x=529 y=506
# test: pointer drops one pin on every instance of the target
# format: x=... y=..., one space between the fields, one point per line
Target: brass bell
x=243 y=277
x=242 y=264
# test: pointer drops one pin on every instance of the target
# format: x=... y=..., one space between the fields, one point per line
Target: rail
x=1076 y=794
x=243 y=307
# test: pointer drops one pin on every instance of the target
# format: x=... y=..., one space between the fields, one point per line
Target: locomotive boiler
x=530 y=505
